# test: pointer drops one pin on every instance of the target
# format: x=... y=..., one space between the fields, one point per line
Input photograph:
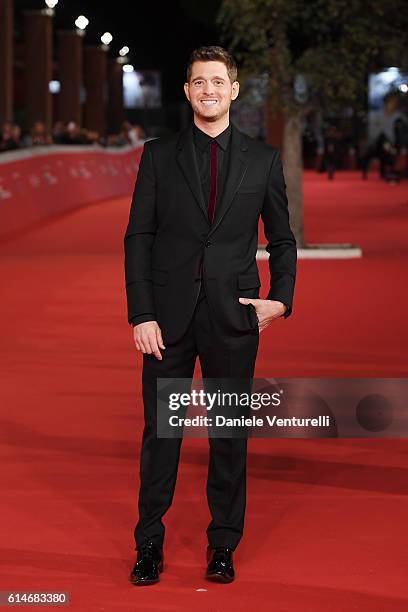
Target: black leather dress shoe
x=220 y=567
x=148 y=565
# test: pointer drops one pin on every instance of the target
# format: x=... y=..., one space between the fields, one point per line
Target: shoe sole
x=144 y=582
x=219 y=578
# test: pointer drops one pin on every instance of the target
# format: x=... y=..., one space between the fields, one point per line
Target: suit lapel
x=236 y=171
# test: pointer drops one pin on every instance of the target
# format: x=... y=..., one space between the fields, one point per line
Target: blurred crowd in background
x=345 y=142
x=12 y=138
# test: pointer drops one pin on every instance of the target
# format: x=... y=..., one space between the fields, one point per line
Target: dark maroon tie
x=213 y=181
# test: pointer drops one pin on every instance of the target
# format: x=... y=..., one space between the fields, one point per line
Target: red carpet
x=326 y=519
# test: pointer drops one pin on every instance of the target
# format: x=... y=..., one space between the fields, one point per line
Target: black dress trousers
x=220 y=356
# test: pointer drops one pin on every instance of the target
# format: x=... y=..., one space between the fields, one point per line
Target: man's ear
x=186 y=91
x=235 y=90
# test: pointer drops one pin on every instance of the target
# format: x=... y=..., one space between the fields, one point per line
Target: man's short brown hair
x=213 y=54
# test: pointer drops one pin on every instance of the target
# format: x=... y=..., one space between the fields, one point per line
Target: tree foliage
x=333 y=43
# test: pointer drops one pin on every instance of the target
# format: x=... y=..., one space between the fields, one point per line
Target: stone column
x=6 y=60
x=115 y=97
x=70 y=74
x=38 y=43
x=95 y=75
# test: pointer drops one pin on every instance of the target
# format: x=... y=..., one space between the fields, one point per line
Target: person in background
x=74 y=135
x=10 y=138
x=38 y=135
x=332 y=151
x=133 y=134
x=384 y=138
x=58 y=132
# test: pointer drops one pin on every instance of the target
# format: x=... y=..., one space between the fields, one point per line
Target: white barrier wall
x=41 y=182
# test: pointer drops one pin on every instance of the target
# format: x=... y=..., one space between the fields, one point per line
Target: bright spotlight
x=128 y=68
x=54 y=87
x=403 y=87
x=51 y=3
x=81 y=22
x=124 y=51
x=106 y=38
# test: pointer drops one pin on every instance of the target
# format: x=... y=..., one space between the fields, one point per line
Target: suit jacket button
x=208 y=243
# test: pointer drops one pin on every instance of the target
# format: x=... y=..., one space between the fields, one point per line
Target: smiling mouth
x=208 y=102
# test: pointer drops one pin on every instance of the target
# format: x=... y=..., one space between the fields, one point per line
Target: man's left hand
x=266 y=310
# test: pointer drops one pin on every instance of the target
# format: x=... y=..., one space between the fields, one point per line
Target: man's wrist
x=143 y=318
x=287 y=308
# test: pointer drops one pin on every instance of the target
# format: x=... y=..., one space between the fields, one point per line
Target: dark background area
x=160 y=35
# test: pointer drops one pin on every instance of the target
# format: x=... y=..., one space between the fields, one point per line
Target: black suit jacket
x=168 y=235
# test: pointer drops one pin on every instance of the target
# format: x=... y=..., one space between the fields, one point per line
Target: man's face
x=210 y=90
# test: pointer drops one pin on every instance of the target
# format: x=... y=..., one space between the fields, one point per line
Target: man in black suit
x=192 y=288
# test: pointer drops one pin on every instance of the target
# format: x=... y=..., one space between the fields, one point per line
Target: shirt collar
x=202 y=139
